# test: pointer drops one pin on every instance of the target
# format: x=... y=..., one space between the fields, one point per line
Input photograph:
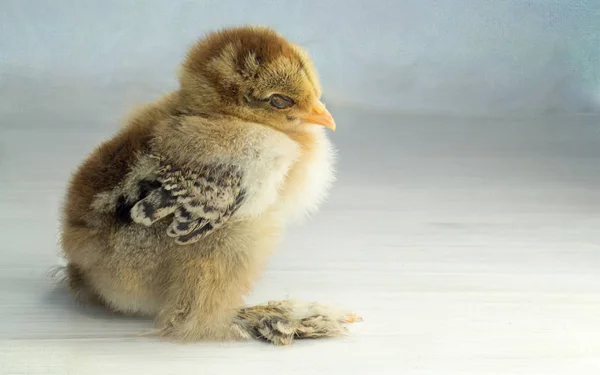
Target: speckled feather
x=200 y=200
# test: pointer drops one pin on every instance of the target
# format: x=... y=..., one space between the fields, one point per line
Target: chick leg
x=204 y=297
x=280 y=322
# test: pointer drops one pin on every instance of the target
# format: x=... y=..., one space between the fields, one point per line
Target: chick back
x=108 y=165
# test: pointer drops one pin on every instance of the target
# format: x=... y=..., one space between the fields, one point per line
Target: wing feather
x=200 y=201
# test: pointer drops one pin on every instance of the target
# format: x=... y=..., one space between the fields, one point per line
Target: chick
x=175 y=215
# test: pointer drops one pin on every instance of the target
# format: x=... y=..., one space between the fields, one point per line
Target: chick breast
x=310 y=178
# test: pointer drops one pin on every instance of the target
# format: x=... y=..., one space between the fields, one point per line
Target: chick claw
x=353 y=318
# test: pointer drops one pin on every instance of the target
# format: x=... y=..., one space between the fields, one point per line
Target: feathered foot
x=280 y=322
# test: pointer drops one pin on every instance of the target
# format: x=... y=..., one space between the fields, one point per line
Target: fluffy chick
x=175 y=215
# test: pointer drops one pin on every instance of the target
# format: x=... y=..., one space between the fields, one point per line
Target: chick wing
x=200 y=200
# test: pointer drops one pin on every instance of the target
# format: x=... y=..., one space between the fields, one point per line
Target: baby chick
x=175 y=215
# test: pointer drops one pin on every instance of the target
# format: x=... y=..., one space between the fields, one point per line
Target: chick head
x=255 y=74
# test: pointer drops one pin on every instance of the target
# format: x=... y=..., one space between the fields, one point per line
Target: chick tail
x=73 y=279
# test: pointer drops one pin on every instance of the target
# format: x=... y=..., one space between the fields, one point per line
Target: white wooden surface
x=469 y=246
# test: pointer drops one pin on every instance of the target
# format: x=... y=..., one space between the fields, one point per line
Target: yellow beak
x=319 y=115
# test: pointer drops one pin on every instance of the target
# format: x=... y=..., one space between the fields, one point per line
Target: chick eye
x=280 y=101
